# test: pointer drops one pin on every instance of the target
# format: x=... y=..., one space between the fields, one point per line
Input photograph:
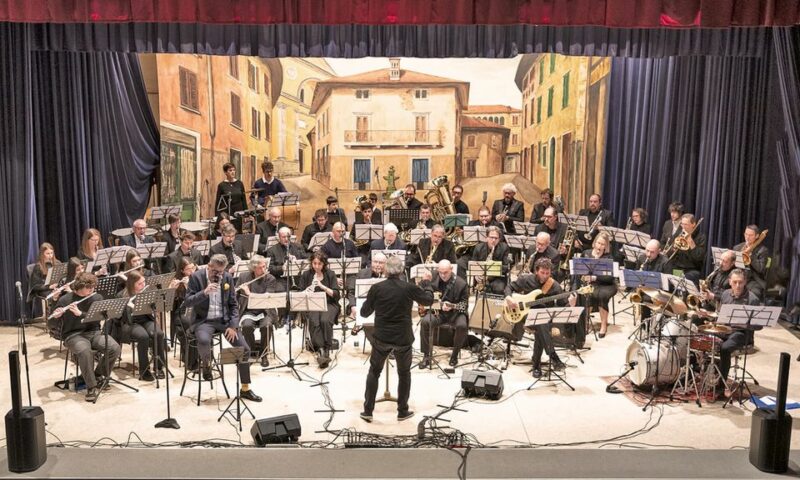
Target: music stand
x=235 y=356
x=160 y=212
x=632 y=279
x=474 y=234
x=287 y=302
x=105 y=310
x=418 y=234
x=592 y=266
x=477 y=271
x=404 y=218
x=263 y=302
x=401 y=254
x=152 y=251
x=745 y=316
x=287 y=199
x=273 y=240
x=342 y=267
x=243 y=266
x=249 y=242
x=106 y=256
x=108 y=286
x=626 y=237
x=522 y=243
x=524 y=228
x=160 y=281
x=203 y=247
x=581 y=222
x=548 y=317
x=368 y=232
x=717 y=253
x=56 y=273
x=318 y=240
x=455 y=220
x=632 y=254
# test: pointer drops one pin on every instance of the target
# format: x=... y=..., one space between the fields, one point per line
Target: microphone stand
x=611 y=388
x=22 y=319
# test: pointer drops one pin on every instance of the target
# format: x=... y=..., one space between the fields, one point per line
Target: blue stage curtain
x=80 y=146
x=691 y=129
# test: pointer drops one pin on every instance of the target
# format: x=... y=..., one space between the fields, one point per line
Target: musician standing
x=391 y=301
x=507 y=210
x=210 y=294
x=672 y=227
x=81 y=338
x=543 y=340
x=691 y=260
x=256 y=280
x=232 y=190
x=266 y=186
x=759 y=255
x=595 y=211
x=37 y=289
x=335 y=214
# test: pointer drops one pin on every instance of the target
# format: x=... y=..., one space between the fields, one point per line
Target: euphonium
x=399 y=199
x=358 y=201
x=439 y=199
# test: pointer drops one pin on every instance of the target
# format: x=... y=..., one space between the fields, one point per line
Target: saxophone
x=430 y=255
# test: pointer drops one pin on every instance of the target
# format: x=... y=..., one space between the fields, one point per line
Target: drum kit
x=662 y=353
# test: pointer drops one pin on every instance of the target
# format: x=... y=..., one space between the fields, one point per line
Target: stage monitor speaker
x=283 y=429
x=25 y=435
x=478 y=383
x=771 y=430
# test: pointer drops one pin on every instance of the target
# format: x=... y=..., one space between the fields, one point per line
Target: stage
x=550 y=416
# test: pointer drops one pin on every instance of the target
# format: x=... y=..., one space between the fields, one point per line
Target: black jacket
x=199 y=301
x=392 y=300
x=311 y=230
x=445 y=250
x=516 y=212
x=265 y=230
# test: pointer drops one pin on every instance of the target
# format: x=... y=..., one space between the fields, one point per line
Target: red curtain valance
x=608 y=13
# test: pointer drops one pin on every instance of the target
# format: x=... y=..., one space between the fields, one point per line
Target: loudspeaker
x=25 y=434
x=771 y=431
x=283 y=429
x=477 y=383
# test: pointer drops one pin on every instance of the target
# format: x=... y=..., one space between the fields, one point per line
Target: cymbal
x=714 y=328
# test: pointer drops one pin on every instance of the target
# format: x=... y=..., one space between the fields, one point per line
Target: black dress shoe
x=249 y=395
x=264 y=361
x=537 y=372
x=147 y=376
x=425 y=363
x=557 y=365
x=453 y=361
x=207 y=375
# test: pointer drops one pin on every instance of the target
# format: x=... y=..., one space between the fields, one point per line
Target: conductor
x=391 y=301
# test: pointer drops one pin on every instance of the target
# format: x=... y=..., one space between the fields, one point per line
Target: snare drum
x=645 y=355
x=705 y=343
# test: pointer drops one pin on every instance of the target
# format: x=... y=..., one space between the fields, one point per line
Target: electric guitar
x=525 y=302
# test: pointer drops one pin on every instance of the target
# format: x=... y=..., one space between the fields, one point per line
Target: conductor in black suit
x=211 y=294
x=391 y=301
x=507 y=210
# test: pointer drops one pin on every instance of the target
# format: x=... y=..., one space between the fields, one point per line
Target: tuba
x=439 y=199
x=398 y=200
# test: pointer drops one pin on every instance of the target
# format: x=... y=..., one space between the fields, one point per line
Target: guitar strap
x=548 y=285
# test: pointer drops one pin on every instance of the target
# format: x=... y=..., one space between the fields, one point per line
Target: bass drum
x=645 y=355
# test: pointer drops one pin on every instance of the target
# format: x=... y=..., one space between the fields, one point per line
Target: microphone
x=633 y=364
x=485 y=193
x=493 y=323
x=19 y=288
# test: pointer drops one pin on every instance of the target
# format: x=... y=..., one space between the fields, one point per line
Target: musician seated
x=81 y=338
x=432 y=249
x=672 y=226
x=279 y=253
x=547 y=202
x=758 y=258
x=179 y=316
x=458 y=204
x=409 y=195
x=133 y=262
x=91 y=242
x=267 y=185
x=363 y=246
x=319 y=225
x=453 y=294
x=491 y=249
x=605 y=286
x=141 y=329
x=543 y=340
x=691 y=260
x=256 y=280
x=37 y=289
x=425 y=220
x=319 y=278
x=718 y=281
x=543 y=249
x=75 y=267
x=335 y=214
x=507 y=210
x=741 y=336
x=551 y=226
x=137 y=237
x=185 y=249
x=269 y=228
x=222 y=221
x=337 y=245
x=375 y=270
x=639 y=221
x=210 y=294
x=389 y=240
x=230 y=248
x=484 y=218
x=652 y=260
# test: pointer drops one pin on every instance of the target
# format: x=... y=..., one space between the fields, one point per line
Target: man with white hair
x=137 y=236
x=542 y=249
x=279 y=253
x=337 y=244
x=391 y=300
x=256 y=280
x=389 y=240
x=432 y=249
x=507 y=209
x=454 y=298
x=269 y=228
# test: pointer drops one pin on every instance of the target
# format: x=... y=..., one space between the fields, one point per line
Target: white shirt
x=214 y=302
